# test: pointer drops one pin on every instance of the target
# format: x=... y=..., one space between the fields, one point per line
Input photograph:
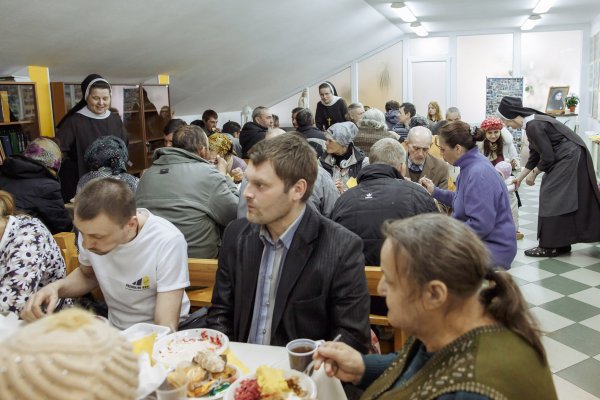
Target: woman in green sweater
x=472 y=337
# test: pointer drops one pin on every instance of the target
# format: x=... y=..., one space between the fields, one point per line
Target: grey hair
x=453 y=110
x=387 y=151
x=373 y=118
x=354 y=106
x=191 y=138
x=419 y=131
x=258 y=111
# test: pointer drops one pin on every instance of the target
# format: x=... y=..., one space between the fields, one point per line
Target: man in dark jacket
x=382 y=193
x=286 y=272
x=31 y=179
x=255 y=131
x=306 y=126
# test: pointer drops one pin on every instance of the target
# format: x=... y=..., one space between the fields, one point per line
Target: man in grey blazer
x=286 y=272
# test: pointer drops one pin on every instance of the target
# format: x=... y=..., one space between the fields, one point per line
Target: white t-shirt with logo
x=131 y=275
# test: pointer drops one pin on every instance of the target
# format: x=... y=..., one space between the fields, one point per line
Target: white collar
x=334 y=100
x=527 y=119
x=86 y=111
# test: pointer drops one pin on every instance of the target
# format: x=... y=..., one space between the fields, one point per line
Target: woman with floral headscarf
x=85 y=122
x=107 y=158
x=31 y=177
x=221 y=146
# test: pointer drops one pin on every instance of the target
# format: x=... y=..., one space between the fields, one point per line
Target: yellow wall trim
x=41 y=77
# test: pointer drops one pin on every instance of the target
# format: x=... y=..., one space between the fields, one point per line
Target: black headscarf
x=85 y=90
x=512 y=107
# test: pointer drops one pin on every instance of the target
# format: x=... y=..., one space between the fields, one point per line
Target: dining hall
x=300 y=200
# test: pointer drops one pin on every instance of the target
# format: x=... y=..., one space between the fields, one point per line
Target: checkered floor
x=564 y=295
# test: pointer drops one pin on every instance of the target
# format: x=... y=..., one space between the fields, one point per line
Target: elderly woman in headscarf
x=31 y=177
x=371 y=128
x=85 y=122
x=569 y=208
x=221 y=146
x=107 y=158
x=342 y=159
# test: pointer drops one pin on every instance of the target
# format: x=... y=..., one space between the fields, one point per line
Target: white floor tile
x=527 y=260
x=581 y=246
x=590 y=296
x=529 y=273
x=597 y=357
x=580 y=261
x=561 y=356
x=567 y=391
x=526 y=243
x=584 y=276
x=537 y=295
x=550 y=322
x=593 y=323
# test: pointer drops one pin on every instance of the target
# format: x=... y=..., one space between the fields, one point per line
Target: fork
x=310 y=368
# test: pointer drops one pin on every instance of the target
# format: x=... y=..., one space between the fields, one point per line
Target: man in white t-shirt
x=138 y=260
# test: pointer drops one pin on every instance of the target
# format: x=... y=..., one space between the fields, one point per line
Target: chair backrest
x=373 y=276
x=203 y=271
x=66 y=242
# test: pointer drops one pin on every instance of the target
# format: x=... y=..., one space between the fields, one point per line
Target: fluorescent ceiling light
x=403 y=12
x=530 y=22
x=543 y=6
x=418 y=29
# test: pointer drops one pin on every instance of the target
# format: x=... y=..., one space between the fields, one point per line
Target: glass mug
x=300 y=352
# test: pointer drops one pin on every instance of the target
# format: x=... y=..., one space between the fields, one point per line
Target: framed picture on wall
x=557 y=96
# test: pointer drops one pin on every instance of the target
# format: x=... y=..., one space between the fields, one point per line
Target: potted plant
x=572 y=102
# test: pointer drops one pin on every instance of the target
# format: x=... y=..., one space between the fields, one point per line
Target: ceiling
x=222 y=54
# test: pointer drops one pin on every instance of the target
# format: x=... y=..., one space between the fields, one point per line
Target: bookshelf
x=144 y=109
x=19 y=122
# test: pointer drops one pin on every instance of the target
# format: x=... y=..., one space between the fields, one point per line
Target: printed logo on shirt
x=369 y=196
x=140 y=284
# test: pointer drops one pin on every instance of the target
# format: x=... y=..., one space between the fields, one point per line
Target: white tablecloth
x=255 y=355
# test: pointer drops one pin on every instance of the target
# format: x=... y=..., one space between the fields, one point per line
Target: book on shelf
x=5 y=106
x=6 y=147
x=2 y=154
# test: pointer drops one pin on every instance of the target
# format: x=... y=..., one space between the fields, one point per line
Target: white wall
x=593 y=125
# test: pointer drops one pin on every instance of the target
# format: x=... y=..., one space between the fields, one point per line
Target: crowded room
x=222 y=200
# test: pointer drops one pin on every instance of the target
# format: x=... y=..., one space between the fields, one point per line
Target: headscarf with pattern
x=46 y=152
x=220 y=143
x=109 y=152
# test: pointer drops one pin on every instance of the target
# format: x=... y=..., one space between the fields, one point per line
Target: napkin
x=150 y=377
x=232 y=359
x=9 y=325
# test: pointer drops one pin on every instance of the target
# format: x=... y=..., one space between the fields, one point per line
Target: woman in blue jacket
x=481 y=199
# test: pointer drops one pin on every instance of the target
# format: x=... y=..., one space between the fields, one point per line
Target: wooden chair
x=203 y=273
x=66 y=242
x=373 y=275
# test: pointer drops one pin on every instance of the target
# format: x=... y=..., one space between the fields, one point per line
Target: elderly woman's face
x=98 y=100
x=333 y=147
x=403 y=302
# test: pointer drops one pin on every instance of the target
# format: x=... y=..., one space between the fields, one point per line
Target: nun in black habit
x=569 y=208
x=81 y=126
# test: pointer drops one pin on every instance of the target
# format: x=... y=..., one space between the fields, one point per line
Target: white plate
x=304 y=380
x=183 y=345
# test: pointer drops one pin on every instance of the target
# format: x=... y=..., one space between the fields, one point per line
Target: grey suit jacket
x=322 y=289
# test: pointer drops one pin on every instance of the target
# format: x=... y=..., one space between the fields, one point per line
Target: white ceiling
x=223 y=54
